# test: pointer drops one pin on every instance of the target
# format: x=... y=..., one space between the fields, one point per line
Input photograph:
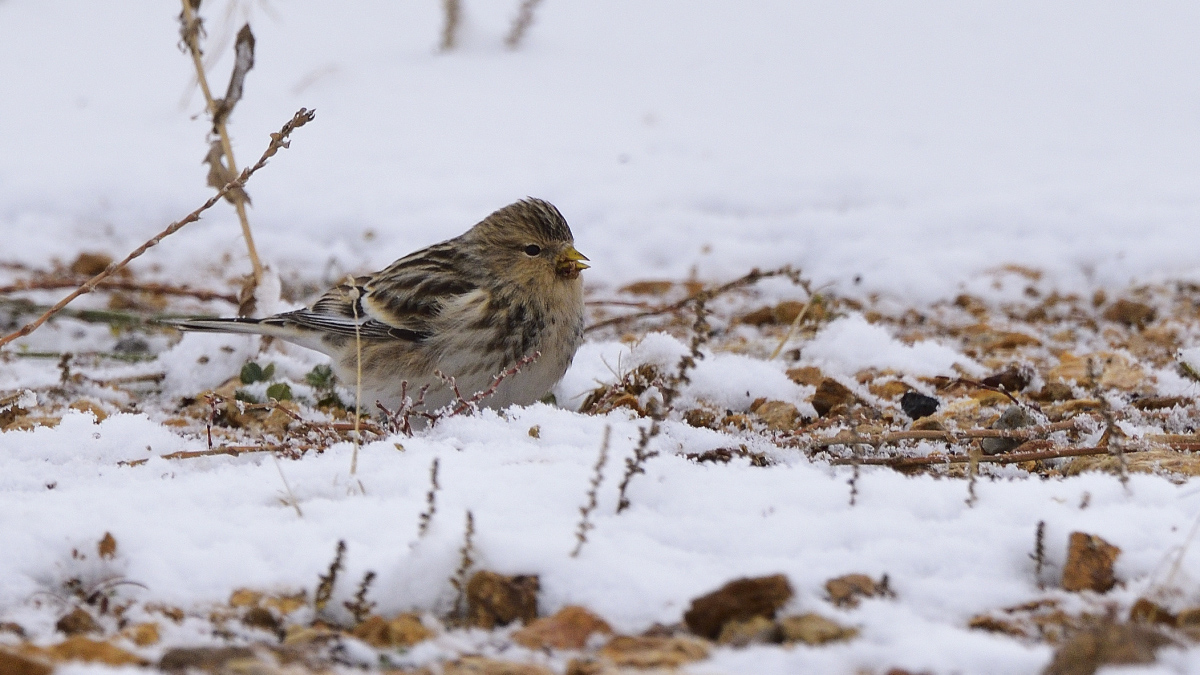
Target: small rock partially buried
x=498 y=600
x=569 y=628
x=814 y=629
x=917 y=405
x=1089 y=565
x=737 y=600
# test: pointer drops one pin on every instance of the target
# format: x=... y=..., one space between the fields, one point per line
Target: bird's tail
x=267 y=326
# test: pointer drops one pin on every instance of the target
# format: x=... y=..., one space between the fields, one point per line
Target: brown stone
x=654 y=652
x=848 y=590
x=1089 y=565
x=568 y=628
x=143 y=634
x=590 y=665
x=808 y=375
x=778 y=415
x=90 y=264
x=482 y=665
x=76 y=622
x=1013 y=378
x=1084 y=652
x=737 y=600
x=755 y=630
x=700 y=418
x=79 y=648
x=86 y=406
x=261 y=617
x=210 y=659
x=497 y=600
x=830 y=394
x=404 y=630
x=1054 y=391
x=1160 y=402
x=17 y=664
x=891 y=390
x=1145 y=611
x=244 y=597
x=814 y=629
x=648 y=287
x=1130 y=313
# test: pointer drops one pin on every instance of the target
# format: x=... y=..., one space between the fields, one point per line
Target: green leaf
x=280 y=391
x=252 y=372
x=245 y=396
x=320 y=378
x=269 y=371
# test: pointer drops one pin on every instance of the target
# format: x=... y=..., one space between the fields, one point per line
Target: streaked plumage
x=470 y=307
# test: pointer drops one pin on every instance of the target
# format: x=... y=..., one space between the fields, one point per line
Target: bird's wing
x=400 y=302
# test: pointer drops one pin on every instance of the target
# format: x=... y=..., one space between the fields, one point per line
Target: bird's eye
x=533 y=250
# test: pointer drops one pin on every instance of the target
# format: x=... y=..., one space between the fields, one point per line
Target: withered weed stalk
x=222 y=167
x=465 y=562
x=585 y=511
x=521 y=24
x=430 y=501
x=452 y=9
x=360 y=607
x=329 y=580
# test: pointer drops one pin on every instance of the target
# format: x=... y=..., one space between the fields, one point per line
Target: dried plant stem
x=585 y=511
x=899 y=436
x=357 y=384
x=278 y=142
x=749 y=279
x=51 y=284
x=792 y=328
x=328 y=581
x=465 y=562
x=453 y=12
x=430 y=501
x=973 y=455
x=1039 y=553
x=913 y=462
x=522 y=23
x=288 y=488
x=191 y=35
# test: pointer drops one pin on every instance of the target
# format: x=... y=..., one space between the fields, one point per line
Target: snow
x=849 y=345
x=905 y=150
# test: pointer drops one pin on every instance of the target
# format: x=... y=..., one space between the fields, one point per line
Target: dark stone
x=917 y=405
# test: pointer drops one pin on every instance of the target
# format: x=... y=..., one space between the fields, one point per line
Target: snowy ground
x=899 y=153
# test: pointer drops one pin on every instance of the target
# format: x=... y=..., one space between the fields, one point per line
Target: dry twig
x=522 y=23
x=585 y=511
x=751 y=278
x=220 y=173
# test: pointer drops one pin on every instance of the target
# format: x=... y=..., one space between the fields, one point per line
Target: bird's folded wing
x=401 y=303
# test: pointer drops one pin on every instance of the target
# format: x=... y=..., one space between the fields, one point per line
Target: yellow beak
x=575 y=257
x=570 y=263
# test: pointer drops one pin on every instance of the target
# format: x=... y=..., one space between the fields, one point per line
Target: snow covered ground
x=891 y=150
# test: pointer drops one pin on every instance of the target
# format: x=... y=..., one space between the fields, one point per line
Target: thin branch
x=585 y=511
x=278 y=141
x=190 y=34
x=846 y=438
x=51 y=284
x=753 y=277
x=934 y=460
x=453 y=12
x=521 y=24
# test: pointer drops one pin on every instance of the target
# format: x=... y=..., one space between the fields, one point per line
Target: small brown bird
x=470 y=307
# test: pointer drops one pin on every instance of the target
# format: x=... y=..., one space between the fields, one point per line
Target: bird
x=470 y=308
